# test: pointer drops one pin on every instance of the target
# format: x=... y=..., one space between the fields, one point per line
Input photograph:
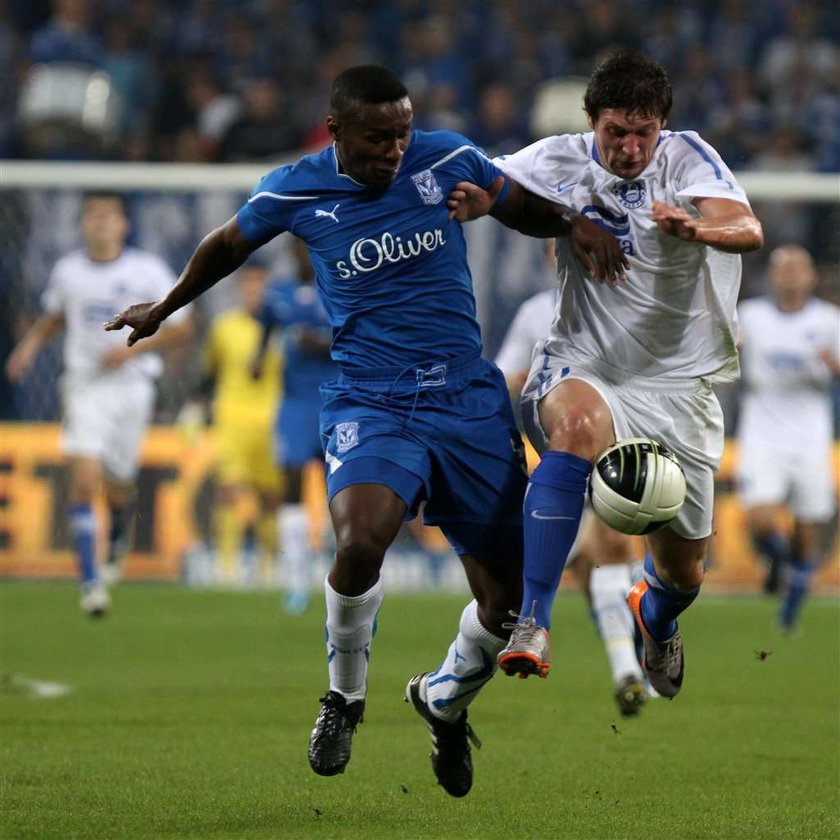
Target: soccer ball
x=637 y=486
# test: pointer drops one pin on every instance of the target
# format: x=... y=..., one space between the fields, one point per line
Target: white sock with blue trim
x=351 y=622
x=294 y=548
x=609 y=586
x=469 y=664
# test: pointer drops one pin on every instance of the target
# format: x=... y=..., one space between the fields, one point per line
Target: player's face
x=626 y=142
x=371 y=140
x=792 y=274
x=104 y=225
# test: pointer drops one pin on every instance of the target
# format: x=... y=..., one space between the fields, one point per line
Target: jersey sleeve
x=534 y=167
x=470 y=163
x=701 y=173
x=268 y=210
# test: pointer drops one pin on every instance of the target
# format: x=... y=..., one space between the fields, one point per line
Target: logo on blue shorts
x=346 y=436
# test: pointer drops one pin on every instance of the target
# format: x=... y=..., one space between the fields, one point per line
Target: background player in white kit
x=789 y=354
x=634 y=358
x=601 y=557
x=108 y=388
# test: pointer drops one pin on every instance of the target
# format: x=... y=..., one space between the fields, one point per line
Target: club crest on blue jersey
x=631 y=194
x=346 y=436
x=428 y=187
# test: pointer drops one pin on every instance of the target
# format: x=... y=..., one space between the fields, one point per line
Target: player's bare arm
x=221 y=252
x=724 y=224
x=27 y=349
x=598 y=251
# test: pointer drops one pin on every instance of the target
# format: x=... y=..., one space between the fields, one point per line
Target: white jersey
x=674 y=318
x=88 y=293
x=786 y=403
x=532 y=323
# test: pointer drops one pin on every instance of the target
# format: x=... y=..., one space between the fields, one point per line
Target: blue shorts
x=443 y=433
x=298 y=437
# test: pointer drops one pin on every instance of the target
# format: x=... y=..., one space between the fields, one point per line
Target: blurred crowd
x=247 y=80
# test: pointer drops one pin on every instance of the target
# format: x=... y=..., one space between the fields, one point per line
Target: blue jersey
x=391 y=266
x=292 y=306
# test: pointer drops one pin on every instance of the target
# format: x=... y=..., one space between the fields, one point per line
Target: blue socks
x=552 y=512
x=774 y=547
x=83 y=529
x=661 y=604
x=799 y=574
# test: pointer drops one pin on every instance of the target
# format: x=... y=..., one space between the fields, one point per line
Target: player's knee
x=581 y=432
x=120 y=495
x=763 y=520
x=358 y=560
x=83 y=489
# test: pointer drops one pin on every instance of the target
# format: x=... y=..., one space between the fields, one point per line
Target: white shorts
x=685 y=415
x=800 y=479
x=106 y=418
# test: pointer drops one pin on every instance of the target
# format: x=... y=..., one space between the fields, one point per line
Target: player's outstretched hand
x=468 y=201
x=599 y=251
x=143 y=317
x=674 y=221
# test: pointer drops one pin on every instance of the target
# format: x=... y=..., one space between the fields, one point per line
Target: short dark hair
x=112 y=195
x=369 y=84
x=632 y=81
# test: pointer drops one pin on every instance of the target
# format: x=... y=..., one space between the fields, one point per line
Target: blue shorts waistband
x=423 y=375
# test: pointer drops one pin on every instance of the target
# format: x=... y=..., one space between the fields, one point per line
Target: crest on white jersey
x=346 y=436
x=428 y=187
x=631 y=194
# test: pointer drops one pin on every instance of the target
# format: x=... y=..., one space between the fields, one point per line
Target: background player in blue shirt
x=416 y=413
x=293 y=306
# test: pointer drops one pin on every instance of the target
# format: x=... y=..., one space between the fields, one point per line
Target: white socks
x=350 y=621
x=608 y=586
x=293 y=522
x=469 y=664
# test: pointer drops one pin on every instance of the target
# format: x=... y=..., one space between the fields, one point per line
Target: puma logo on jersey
x=328 y=214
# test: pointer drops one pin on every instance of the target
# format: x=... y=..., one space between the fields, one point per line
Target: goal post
x=815 y=187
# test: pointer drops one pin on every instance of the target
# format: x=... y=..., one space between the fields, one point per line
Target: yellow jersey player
x=243 y=410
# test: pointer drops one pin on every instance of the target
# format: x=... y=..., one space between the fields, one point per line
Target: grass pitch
x=189 y=714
